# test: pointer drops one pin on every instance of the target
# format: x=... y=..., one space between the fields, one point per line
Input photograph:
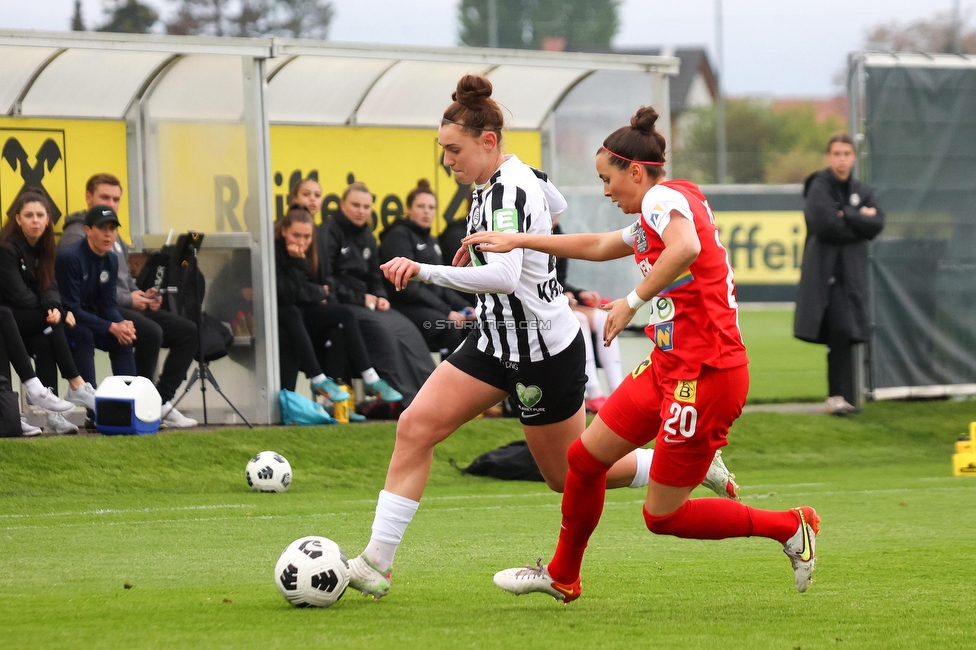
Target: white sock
x=317 y=378
x=369 y=376
x=593 y=389
x=643 y=475
x=393 y=515
x=34 y=386
x=609 y=356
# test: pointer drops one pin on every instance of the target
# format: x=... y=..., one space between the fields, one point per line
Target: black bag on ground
x=9 y=411
x=513 y=462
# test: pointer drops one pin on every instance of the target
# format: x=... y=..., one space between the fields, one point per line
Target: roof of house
x=694 y=60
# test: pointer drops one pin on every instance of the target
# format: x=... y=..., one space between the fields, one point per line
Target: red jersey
x=695 y=321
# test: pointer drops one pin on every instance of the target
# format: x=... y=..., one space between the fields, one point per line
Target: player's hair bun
x=472 y=91
x=423 y=185
x=644 y=120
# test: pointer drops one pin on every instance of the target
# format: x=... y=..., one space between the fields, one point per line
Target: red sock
x=586 y=487
x=722 y=518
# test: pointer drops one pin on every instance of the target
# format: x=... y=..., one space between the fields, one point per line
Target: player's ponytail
x=473 y=108
x=638 y=143
x=423 y=187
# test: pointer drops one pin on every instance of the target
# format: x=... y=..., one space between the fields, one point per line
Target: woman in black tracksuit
x=307 y=313
x=28 y=288
x=440 y=313
x=396 y=347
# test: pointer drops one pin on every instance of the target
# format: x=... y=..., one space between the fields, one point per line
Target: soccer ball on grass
x=312 y=572
x=268 y=472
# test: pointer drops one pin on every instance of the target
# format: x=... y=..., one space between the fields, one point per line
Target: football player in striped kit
x=527 y=342
x=686 y=394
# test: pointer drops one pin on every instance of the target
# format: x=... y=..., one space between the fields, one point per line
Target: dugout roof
x=196 y=106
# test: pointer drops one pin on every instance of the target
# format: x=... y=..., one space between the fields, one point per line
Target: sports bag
x=296 y=409
x=9 y=411
x=513 y=462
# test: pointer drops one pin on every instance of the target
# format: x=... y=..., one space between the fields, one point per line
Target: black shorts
x=545 y=392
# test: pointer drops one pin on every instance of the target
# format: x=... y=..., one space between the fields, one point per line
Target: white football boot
x=801 y=548
x=367 y=579
x=720 y=480
x=531 y=579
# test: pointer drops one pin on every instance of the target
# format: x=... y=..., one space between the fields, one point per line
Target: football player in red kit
x=689 y=390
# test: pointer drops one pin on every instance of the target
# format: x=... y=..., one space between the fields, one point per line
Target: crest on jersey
x=664 y=336
x=855 y=199
x=641 y=240
x=686 y=391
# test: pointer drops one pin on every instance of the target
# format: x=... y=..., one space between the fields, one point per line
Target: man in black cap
x=155 y=328
x=86 y=276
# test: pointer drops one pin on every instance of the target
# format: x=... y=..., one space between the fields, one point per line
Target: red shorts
x=690 y=419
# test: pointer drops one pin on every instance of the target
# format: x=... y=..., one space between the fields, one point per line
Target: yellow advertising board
x=389 y=161
x=204 y=184
x=59 y=156
x=764 y=247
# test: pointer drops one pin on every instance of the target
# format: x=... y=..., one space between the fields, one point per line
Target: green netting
x=920 y=156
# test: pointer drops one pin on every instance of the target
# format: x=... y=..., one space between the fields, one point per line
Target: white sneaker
x=367 y=579
x=801 y=548
x=175 y=419
x=529 y=579
x=720 y=480
x=57 y=424
x=49 y=402
x=837 y=405
x=27 y=429
x=84 y=396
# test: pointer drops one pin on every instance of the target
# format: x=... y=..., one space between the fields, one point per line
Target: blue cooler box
x=127 y=406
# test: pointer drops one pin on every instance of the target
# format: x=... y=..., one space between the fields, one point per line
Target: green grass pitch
x=171 y=518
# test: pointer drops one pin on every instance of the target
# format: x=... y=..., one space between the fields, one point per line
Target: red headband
x=639 y=162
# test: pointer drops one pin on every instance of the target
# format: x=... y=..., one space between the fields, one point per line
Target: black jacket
x=404 y=238
x=18 y=277
x=296 y=285
x=352 y=258
x=836 y=250
x=87 y=285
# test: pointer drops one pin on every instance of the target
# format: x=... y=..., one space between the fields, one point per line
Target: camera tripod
x=192 y=241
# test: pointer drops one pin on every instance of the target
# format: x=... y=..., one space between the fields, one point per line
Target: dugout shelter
x=914 y=118
x=208 y=134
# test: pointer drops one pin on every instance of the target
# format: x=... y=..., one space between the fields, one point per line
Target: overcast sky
x=772 y=47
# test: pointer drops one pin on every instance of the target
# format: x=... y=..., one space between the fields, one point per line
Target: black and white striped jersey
x=534 y=321
x=521 y=310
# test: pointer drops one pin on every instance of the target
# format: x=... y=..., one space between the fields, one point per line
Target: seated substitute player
x=686 y=394
x=339 y=346
x=396 y=347
x=438 y=312
x=306 y=313
x=86 y=273
x=155 y=328
x=527 y=345
x=28 y=289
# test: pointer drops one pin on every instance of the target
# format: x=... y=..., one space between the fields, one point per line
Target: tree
x=765 y=144
x=924 y=35
x=584 y=25
x=293 y=18
x=128 y=16
x=77 y=22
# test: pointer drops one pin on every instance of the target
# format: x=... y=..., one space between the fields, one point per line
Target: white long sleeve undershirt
x=500 y=275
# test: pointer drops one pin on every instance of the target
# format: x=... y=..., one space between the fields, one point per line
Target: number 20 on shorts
x=683 y=421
